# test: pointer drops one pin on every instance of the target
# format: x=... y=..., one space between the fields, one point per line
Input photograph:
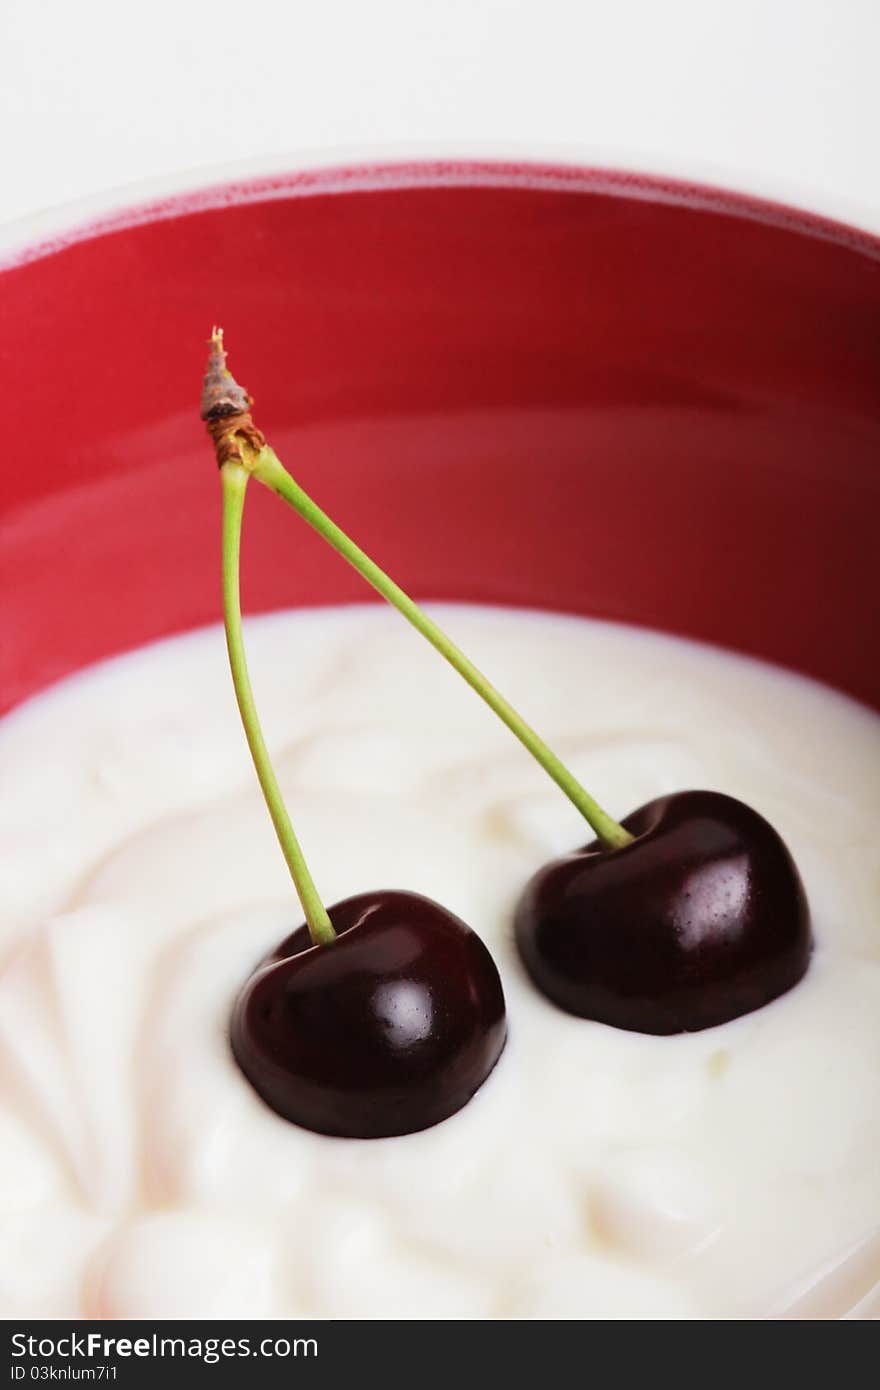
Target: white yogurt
x=597 y=1173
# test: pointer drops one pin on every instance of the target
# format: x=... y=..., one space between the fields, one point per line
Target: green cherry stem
x=234 y=478
x=267 y=467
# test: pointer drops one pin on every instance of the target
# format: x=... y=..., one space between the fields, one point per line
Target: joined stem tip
x=226 y=409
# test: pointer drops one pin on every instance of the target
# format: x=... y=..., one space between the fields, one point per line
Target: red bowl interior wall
x=641 y=409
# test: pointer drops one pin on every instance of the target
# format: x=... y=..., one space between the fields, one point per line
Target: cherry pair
x=384 y=1014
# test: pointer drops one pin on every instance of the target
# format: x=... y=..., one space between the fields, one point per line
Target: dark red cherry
x=701 y=919
x=388 y=1030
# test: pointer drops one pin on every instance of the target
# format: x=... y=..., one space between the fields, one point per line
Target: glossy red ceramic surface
x=586 y=392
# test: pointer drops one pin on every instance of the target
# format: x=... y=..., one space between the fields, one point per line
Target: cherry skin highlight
x=387 y=1030
x=702 y=918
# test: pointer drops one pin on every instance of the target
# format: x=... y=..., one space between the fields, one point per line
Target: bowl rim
x=307 y=174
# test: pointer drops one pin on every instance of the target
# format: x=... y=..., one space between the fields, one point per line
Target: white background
x=781 y=96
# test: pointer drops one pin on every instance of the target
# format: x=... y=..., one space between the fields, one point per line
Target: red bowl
x=555 y=387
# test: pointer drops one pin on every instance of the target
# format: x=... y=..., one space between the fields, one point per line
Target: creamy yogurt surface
x=597 y=1173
